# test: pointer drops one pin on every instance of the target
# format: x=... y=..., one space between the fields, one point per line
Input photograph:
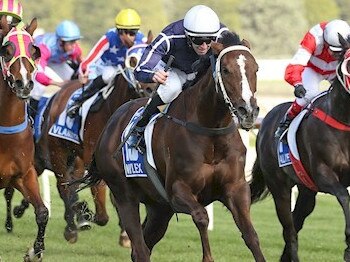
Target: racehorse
x=74 y=158
x=323 y=143
x=208 y=163
x=17 y=56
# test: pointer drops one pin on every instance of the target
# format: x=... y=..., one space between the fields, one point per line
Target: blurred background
x=274 y=28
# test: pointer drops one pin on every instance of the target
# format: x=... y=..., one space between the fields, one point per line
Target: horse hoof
x=30 y=256
x=18 y=212
x=9 y=228
x=71 y=236
x=101 y=221
x=84 y=225
x=124 y=240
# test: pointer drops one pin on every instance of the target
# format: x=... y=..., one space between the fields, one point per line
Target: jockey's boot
x=291 y=113
x=94 y=86
x=150 y=109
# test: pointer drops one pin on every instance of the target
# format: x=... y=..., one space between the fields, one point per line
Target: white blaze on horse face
x=246 y=92
x=24 y=73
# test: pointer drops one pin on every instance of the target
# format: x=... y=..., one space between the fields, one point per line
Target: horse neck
x=209 y=108
x=120 y=94
x=12 y=109
x=338 y=103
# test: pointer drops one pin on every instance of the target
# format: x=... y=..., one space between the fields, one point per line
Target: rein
x=205 y=131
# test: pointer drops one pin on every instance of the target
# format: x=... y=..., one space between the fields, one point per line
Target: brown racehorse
x=74 y=158
x=323 y=141
x=18 y=54
x=207 y=165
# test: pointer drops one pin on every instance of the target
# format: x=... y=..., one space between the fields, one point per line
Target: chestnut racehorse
x=198 y=153
x=17 y=57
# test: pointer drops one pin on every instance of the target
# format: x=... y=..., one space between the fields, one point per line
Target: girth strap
x=206 y=131
x=318 y=113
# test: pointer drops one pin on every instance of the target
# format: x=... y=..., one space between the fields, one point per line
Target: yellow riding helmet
x=128 y=19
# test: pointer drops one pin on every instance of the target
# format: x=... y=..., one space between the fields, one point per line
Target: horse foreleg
x=69 y=196
x=238 y=202
x=184 y=201
x=18 y=211
x=8 y=197
x=29 y=186
x=128 y=210
x=99 y=195
x=156 y=223
x=343 y=198
x=304 y=206
x=282 y=198
x=124 y=240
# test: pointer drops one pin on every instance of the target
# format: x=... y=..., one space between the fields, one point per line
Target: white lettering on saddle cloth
x=132 y=158
x=133 y=162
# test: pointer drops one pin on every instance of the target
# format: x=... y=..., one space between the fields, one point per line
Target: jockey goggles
x=131 y=32
x=199 y=40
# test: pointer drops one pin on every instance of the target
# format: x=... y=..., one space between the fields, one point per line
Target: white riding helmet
x=201 y=20
x=331 y=33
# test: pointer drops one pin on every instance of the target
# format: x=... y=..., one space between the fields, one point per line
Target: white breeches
x=311 y=81
x=57 y=72
x=173 y=86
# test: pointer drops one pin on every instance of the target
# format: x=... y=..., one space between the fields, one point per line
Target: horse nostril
x=19 y=84
x=242 y=111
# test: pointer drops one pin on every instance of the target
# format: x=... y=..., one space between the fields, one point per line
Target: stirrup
x=73 y=110
x=135 y=139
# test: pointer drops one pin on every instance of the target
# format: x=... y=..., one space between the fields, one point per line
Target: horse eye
x=9 y=53
x=225 y=70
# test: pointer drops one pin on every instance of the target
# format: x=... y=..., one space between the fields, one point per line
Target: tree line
x=274 y=28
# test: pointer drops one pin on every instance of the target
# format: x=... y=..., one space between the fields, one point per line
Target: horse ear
x=149 y=37
x=246 y=43
x=344 y=42
x=216 y=48
x=4 y=25
x=33 y=25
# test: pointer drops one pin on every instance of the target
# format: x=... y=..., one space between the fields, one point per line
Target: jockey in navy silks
x=187 y=40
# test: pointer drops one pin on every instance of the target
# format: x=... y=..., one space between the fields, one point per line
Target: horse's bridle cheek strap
x=218 y=78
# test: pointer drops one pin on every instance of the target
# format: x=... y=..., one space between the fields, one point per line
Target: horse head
x=236 y=77
x=17 y=57
x=132 y=59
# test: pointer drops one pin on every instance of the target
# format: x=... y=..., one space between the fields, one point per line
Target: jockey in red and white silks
x=315 y=60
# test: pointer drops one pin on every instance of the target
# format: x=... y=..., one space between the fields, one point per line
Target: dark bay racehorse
x=69 y=160
x=208 y=163
x=18 y=55
x=323 y=141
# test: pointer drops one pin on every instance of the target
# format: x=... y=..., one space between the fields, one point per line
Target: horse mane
x=202 y=65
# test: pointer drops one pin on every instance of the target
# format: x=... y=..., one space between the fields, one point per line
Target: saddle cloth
x=133 y=159
x=72 y=129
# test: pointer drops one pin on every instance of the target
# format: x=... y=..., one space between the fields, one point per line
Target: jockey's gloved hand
x=299 y=91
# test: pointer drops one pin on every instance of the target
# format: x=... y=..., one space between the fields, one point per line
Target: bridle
x=218 y=78
x=21 y=43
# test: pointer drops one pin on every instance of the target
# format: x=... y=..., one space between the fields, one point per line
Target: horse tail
x=258 y=187
x=91 y=177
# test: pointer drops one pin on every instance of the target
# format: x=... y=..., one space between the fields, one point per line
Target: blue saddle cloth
x=66 y=127
x=38 y=120
x=283 y=154
x=133 y=158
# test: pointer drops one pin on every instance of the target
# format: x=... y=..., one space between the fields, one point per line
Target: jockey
x=187 y=40
x=102 y=62
x=13 y=11
x=315 y=60
x=56 y=50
